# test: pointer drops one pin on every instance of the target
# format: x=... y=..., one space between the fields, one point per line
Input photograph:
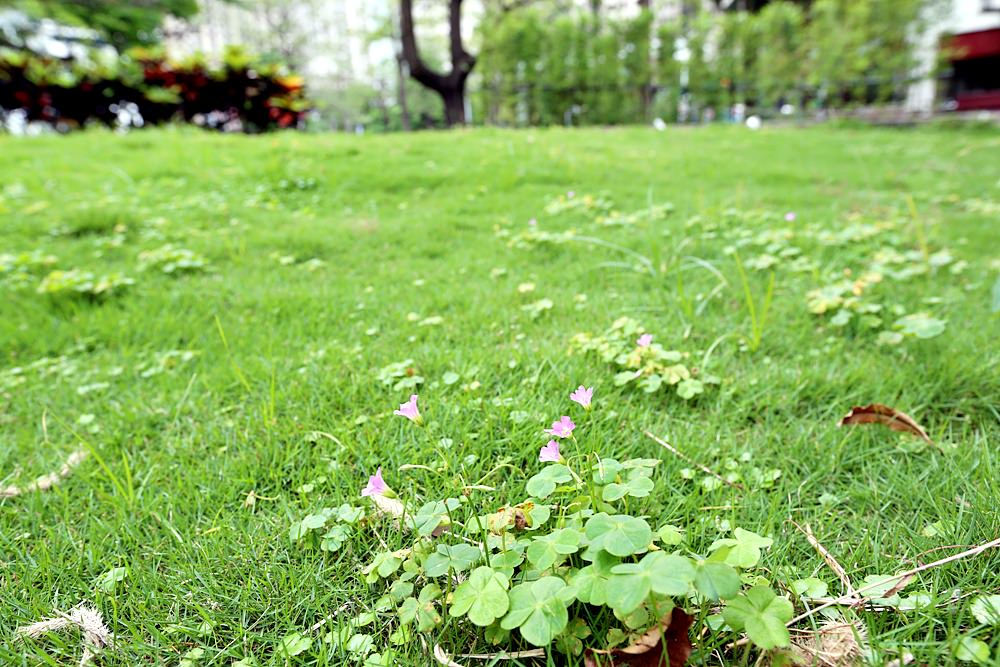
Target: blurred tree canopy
x=122 y=23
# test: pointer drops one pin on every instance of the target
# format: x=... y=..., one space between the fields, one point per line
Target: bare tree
x=450 y=86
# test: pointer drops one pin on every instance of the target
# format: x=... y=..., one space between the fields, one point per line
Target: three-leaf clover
x=741 y=550
x=632 y=583
x=433 y=514
x=716 y=580
x=383 y=565
x=762 y=614
x=334 y=538
x=542 y=484
x=619 y=534
x=483 y=596
x=637 y=486
x=810 y=587
x=590 y=584
x=570 y=640
x=422 y=609
x=546 y=550
x=538 y=610
x=688 y=389
x=457 y=557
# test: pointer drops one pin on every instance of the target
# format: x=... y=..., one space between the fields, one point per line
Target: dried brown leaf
x=391 y=506
x=834 y=644
x=666 y=644
x=903 y=582
x=442 y=656
x=876 y=413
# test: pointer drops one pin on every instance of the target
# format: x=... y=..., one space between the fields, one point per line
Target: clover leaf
x=716 y=580
x=623 y=378
x=810 y=587
x=433 y=514
x=986 y=609
x=538 y=610
x=606 y=470
x=383 y=565
x=544 y=483
x=637 y=486
x=109 y=581
x=570 y=640
x=334 y=538
x=506 y=561
x=920 y=325
x=458 y=557
x=590 y=583
x=670 y=535
x=632 y=583
x=741 y=550
x=546 y=550
x=970 y=649
x=762 y=614
x=619 y=535
x=483 y=596
x=688 y=389
x=294 y=644
x=422 y=610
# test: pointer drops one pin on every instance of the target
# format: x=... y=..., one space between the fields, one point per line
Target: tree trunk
x=404 y=108
x=454 y=107
x=450 y=86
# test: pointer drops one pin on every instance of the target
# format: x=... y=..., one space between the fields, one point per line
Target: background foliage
x=71 y=93
x=541 y=67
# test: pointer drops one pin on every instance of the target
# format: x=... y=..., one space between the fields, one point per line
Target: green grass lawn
x=267 y=372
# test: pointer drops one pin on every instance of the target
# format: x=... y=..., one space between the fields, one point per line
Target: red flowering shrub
x=238 y=95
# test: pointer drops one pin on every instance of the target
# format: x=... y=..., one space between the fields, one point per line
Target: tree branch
x=462 y=61
x=418 y=69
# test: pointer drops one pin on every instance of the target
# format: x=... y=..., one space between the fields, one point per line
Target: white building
x=963 y=18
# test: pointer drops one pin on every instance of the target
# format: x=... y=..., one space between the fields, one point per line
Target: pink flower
x=532 y=223
x=562 y=428
x=549 y=453
x=582 y=395
x=790 y=216
x=409 y=410
x=376 y=485
x=570 y=194
x=644 y=340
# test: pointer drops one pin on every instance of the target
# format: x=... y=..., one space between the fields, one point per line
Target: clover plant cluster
x=85 y=283
x=643 y=362
x=574 y=564
x=171 y=259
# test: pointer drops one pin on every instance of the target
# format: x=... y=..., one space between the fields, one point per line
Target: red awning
x=978 y=44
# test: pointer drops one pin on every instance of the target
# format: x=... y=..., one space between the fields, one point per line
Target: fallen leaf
x=900 y=585
x=391 y=506
x=649 y=650
x=443 y=658
x=834 y=644
x=876 y=413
